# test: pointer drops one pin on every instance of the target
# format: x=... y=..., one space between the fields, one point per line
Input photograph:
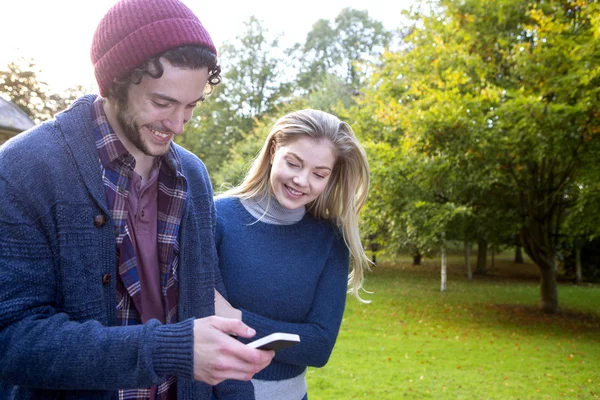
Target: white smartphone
x=275 y=341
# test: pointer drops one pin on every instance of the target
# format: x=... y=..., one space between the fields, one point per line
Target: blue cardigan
x=284 y=278
x=58 y=337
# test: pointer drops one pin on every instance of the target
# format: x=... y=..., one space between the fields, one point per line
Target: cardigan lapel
x=76 y=127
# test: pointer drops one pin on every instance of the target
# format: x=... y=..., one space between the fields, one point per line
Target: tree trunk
x=578 y=273
x=443 y=285
x=519 y=254
x=374 y=259
x=545 y=259
x=493 y=265
x=542 y=198
x=549 y=289
x=481 y=256
x=468 y=260
x=417 y=258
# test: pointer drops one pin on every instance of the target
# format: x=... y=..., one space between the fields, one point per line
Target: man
x=107 y=255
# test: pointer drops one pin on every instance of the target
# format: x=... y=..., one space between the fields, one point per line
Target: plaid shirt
x=117 y=166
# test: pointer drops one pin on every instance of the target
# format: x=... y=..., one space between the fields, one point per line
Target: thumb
x=233 y=327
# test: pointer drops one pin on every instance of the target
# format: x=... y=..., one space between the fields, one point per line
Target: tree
x=503 y=91
x=582 y=222
x=547 y=122
x=257 y=87
x=253 y=85
x=254 y=75
x=20 y=84
x=337 y=49
x=334 y=94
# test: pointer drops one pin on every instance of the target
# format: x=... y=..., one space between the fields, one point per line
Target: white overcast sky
x=57 y=33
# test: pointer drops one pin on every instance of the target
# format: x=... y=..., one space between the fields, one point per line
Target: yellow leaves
x=451 y=79
x=389 y=118
x=491 y=94
x=469 y=18
x=595 y=22
x=536 y=14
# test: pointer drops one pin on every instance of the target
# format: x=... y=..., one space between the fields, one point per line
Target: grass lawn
x=483 y=339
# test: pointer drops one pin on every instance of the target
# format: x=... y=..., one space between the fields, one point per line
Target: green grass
x=484 y=339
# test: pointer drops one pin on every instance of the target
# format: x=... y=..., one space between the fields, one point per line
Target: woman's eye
x=291 y=164
x=319 y=176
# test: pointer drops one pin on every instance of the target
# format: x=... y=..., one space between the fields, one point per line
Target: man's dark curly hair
x=191 y=57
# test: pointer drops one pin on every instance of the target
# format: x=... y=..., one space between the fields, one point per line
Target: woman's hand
x=224 y=309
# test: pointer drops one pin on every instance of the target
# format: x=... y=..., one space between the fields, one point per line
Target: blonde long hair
x=348 y=185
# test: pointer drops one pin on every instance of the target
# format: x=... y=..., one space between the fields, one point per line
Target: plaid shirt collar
x=117 y=165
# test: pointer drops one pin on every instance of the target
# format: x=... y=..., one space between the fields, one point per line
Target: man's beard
x=131 y=130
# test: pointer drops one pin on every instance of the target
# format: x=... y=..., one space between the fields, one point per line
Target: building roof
x=13 y=118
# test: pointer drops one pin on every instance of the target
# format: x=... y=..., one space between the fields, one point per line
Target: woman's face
x=300 y=170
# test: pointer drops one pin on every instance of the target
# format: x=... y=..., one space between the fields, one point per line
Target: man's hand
x=224 y=309
x=218 y=356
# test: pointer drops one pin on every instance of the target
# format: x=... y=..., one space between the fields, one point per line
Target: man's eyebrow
x=172 y=100
x=302 y=161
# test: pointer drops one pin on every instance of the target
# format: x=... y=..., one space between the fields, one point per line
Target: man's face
x=157 y=109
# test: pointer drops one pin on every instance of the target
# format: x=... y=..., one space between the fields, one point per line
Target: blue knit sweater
x=58 y=337
x=284 y=278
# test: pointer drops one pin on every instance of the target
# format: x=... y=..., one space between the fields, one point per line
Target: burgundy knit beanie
x=133 y=31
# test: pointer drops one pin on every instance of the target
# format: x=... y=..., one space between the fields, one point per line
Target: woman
x=289 y=244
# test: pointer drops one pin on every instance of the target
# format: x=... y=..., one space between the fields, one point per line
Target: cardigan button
x=100 y=220
x=106 y=279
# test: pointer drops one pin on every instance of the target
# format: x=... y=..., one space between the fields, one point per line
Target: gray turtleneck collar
x=268 y=210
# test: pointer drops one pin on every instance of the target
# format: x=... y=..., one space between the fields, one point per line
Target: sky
x=57 y=34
